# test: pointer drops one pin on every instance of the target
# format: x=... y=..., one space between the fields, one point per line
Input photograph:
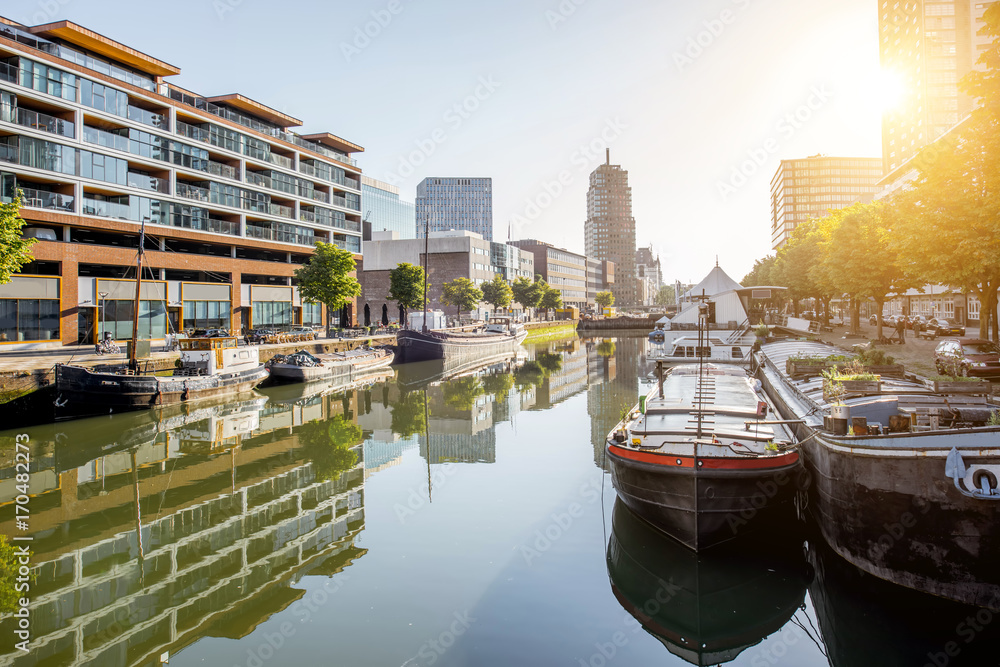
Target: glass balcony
x=105 y=209
x=319 y=195
x=148 y=183
x=307 y=216
x=44 y=122
x=8 y=153
x=223 y=170
x=343 y=201
x=145 y=117
x=271 y=234
x=189 y=191
x=352 y=183
x=281 y=211
x=255 y=178
x=107 y=139
x=307 y=168
x=280 y=160
x=205 y=224
x=45 y=199
x=194 y=132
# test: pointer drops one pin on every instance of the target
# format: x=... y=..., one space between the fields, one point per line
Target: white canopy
x=716 y=282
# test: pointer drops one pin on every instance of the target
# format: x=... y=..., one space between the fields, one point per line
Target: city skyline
x=519 y=105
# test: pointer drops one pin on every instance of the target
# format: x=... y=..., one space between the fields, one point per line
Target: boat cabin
x=216 y=356
x=502 y=324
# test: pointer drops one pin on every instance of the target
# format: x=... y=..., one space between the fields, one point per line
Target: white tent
x=663 y=320
x=716 y=282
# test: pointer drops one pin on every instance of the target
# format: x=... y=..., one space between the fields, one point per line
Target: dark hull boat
x=916 y=506
x=500 y=337
x=709 y=607
x=698 y=460
x=209 y=368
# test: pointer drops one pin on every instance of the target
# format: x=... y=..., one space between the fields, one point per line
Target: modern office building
x=609 y=233
x=444 y=204
x=807 y=188
x=383 y=211
x=231 y=199
x=929 y=46
x=564 y=270
x=452 y=254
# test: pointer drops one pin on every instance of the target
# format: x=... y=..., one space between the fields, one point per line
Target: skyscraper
x=930 y=46
x=455 y=203
x=609 y=233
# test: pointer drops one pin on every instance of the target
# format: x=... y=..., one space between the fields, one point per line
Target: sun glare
x=887 y=90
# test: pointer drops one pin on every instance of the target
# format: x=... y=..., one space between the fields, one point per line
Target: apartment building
x=384 y=211
x=466 y=204
x=609 y=232
x=230 y=199
x=563 y=270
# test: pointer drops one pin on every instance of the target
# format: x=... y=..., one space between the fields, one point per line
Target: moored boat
x=500 y=336
x=904 y=479
x=337 y=367
x=715 y=346
x=209 y=367
x=698 y=458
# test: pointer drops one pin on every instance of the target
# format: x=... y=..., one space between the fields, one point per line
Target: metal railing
x=148 y=183
x=140 y=115
x=319 y=195
x=279 y=160
x=270 y=234
x=9 y=153
x=43 y=121
x=281 y=211
x=195 y=192
x=45 y=199
x=223 y=170
x=105 y=209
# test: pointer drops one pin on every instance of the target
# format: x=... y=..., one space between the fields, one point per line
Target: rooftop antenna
x=608 y=155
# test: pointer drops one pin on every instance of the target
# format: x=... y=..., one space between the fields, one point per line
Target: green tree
x=526 y=292
x=950 y=229
x=406 y=286
x=461 y=293
x=551 y=299
x=666 y=296
x=604 y=299
x=851 y=238
x=761 y=273
x=798 y=265
x=330 y=445
x=326 y=278
x=15 y=251
x=461 y=393
x=498 y=385
x=498 y=293
x=529 y=374
x=606 y=348
x=551 y=362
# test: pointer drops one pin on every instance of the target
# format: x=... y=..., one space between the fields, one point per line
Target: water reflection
x=705 y=608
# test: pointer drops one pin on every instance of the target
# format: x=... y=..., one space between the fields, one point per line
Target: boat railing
x=802 y=396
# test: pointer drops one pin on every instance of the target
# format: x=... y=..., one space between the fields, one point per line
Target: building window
x=206 y=315
x=312 y=315
x=117 y=318
x=29 y=319
x=272 y=315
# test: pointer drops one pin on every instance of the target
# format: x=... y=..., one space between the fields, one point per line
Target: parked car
x=941 y=327
x=967 y=357
x=887 y=320
x=916 y=322
x=304 y=333
x=260 y=335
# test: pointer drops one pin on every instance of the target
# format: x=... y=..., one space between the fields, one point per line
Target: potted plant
x=761 y=331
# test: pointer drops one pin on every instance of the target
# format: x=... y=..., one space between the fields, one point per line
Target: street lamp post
x=103 y=315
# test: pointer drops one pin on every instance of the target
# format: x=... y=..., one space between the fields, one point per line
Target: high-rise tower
x=930 y=46
x=444 y=204
x=610 y=228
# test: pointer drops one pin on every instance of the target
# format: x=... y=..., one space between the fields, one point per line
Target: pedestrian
x=901 y=330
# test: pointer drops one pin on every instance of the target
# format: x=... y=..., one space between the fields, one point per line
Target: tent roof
x=716 y=282
x=663 y=320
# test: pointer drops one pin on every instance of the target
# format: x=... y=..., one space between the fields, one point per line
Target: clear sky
x=529 y=92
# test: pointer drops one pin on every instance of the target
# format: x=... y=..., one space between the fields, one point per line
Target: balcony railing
x=223 y=170
x=189 y=191
x=145 y=117
x=319 y=195
x=342 y=201
x=280 y=160
x=307 y=169
x=35 y=81
x=255 y=178
x=205 y=225
x=9 y=153
x=43 y=122
x=194 y=132
x=307 y=216
x=45 y=199
x=281 y=211
x=148 y=183
x=105 y=209
x=352 y=183
x=270 y=234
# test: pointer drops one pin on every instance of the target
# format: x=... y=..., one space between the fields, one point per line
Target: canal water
x=433 y=516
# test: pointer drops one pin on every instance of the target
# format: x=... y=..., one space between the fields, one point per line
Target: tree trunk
x=878 y=317
x=993 y=309
x=855 y=316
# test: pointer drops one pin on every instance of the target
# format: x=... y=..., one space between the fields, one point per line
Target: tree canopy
x=498 y=293
x=461 y=293
x=604 y=299
x=762 y=273
x=15 y=251
x=526 y=292
x=666 y=296
x=406 y=285
x=326 y=278
x=551 y=298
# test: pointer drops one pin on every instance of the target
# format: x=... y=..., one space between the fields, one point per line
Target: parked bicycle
x=108 y=345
